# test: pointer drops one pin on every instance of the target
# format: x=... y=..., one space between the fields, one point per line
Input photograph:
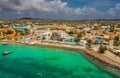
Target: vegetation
x=116 y=41
x=77 y=39
x=96 y=28
x=71 y=32
x=19 y=32
x=102 y=49
x=26 y=31
x=1 y=26
x=112 y=29
x=89 y=42
x=79 y=35
x=9 y=32
x=117 y=53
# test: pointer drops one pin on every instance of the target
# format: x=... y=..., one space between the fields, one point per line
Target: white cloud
x=33 y=5
x=115 y=10
x=112 y=11
x=43 y=6
x=52 y=7
x=117 y=7
x=86 y=10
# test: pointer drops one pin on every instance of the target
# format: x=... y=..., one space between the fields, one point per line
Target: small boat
x=4 y=43
x=6 y=52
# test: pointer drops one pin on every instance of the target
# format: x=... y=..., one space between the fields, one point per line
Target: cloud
x=86 y=10
x=117 y=7
x=112 y=11
x=115 y=10
x=32 y=5
x=41 y=6
x=52 y=8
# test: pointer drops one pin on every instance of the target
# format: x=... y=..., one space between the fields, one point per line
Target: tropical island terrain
x=60 y=38
x=102 y=36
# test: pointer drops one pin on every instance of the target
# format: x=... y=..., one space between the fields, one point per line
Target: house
x=82 y=42
x=46 y=36
x=39 y=32
x=61 y=33
x=10 y=34
x=106 y=36
x=87 y=28
x=112 y=35
x=28 y=39
x=68 y=39
x=99 y=40
x=22 y=28
x=29 y=23
x=58 y=34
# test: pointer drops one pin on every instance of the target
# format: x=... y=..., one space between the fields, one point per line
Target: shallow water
x=38 y=62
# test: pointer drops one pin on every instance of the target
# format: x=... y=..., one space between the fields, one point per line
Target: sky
x=60 y=9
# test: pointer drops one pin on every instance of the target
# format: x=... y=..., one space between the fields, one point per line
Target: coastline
x=102 y=58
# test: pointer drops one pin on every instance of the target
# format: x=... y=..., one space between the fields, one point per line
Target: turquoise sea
x=39 y=62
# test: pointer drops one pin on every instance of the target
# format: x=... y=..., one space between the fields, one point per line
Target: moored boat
x=4 y=43
x=6 y=52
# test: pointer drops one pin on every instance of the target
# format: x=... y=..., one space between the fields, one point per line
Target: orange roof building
x=112 y=35
x=29 y=23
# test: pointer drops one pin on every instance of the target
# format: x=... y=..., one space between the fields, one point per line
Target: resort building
x=46 y=36
x=22 y=28
x=69 y=39
x=39 y=32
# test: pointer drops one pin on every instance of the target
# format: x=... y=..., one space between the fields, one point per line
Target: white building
x=46 y=36
x=39 y=32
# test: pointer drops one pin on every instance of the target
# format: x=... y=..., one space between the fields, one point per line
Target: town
x=102 y=35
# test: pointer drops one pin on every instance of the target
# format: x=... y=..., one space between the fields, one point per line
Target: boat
x=4 y=43
x=6 y=52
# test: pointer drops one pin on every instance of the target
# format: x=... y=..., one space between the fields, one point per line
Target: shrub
x=102 y=49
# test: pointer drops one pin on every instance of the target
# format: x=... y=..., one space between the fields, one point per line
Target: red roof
x=112 y=35
x=28 y=22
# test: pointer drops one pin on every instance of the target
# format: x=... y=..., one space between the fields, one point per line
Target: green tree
x=116 y=41
x=77 y=39
x=79 y=35
x=118 y=26
x=71 y=32
x=89 y=42
x=19 y=31
x=102 y=49
x=26 y=31
x=112 y=29
x=1 y=26
x=9 y=32
x=96 y=28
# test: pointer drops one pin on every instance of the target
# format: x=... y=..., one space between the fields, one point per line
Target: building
x=59 y=35
x=21 y=28
x=46 y=36
x=40 y=32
